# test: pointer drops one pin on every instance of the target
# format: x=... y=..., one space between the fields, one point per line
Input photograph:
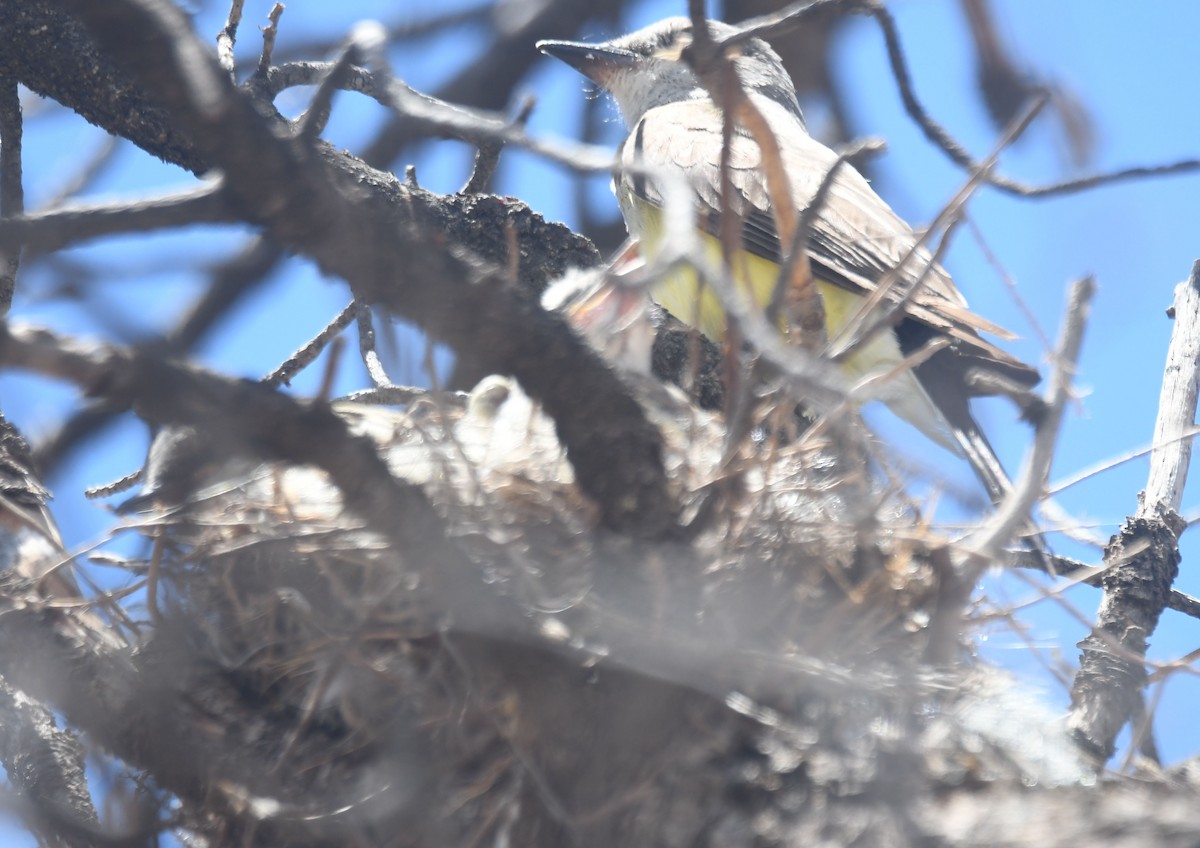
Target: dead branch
x=1035 y=471
x=1142 y=560
x=54 y=229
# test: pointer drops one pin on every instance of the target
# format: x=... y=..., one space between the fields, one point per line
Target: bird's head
x=644 y=69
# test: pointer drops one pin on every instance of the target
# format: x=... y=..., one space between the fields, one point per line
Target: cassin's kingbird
x=854 y=240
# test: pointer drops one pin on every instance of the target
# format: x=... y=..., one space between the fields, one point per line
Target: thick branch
x=51 y=53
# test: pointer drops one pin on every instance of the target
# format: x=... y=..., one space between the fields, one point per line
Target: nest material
x=762 y=683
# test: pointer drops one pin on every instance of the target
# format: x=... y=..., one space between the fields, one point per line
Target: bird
x=854 y=240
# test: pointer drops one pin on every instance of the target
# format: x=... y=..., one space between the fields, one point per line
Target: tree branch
x=45 y=232
x=1143 y=559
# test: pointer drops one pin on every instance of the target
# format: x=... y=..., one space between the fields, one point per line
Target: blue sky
x=1130 y=70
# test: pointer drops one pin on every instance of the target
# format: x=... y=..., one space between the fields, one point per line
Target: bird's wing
x=855 y=237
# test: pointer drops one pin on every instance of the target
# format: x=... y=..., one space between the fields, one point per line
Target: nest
x=773 y=678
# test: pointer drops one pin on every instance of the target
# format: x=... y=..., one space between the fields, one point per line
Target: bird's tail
x=942 y=382
x=981 y=456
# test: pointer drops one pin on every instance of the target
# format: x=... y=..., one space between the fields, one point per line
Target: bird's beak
x=597 y=62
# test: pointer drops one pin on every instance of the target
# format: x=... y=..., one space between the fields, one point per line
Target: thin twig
x=227 y=37
x=983 y=545
x=436 y=117
x=314 y=119
x=1009 y=282
x=470 y=125
x=1068 y=567
x=715 y=71
x=853 y=336
x=958 y=154
x=114 y=488
x=232 y=281
x=302 y=358
x=93 y=165
x=1113 y=462
x=268 y=33
x=366 y=345
x=399 y=29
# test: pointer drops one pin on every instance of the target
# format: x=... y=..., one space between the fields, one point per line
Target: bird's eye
x=674 y=48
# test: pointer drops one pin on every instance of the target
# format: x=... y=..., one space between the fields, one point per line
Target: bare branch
x=490 y=80
x=268 y=35
x=366 y=346
x=227 y=37
x=54 y=229
x=473 y=126
x=1143 y=559
x=45 y=764
x=958 y=154
x=299 y=360
x=983 y=545
x=427 y=113
x=313 y=121
x=488 y=155
x=1067 y=567
x=232 y=281
x=1172 y=452
x=12 y=191
x=47 y=50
